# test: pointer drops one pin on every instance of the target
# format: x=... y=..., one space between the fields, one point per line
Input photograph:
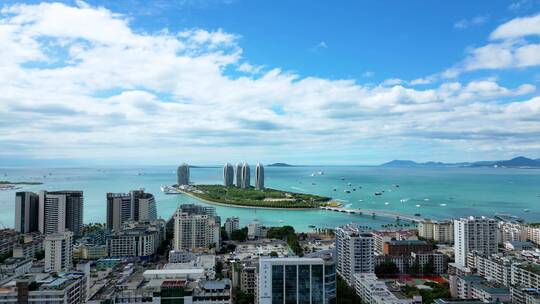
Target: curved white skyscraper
x=239 y=175
x=183 y=174
x=245 y=176
x=228 y=175
x=259 y=176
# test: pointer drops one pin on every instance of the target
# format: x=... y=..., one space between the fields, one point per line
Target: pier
x=389 y=214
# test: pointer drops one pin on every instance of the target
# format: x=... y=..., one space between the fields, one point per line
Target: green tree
x=387 y=268
x=240 y=234
x=345 y=293
x=219 y=270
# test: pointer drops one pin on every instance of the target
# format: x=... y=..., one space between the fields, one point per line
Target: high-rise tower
x=246 y=175
x=183 y=174
x=259 y=177
x=228 y=175
x=238 y=175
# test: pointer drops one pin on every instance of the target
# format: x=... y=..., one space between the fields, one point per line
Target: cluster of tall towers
x=242 y=176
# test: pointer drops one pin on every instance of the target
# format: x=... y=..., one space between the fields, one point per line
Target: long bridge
x=395 y=215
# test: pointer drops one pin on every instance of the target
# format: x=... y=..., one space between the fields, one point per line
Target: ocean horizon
x=435 y=193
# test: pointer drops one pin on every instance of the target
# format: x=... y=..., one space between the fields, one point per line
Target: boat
x=354 y=189
x=349 y=184
x=417 y=214
x=347 y=191
x=312 y=174
x=335 y=189
x=396 y=185
x=321 y=173
x=378 y=193
x=343 y=178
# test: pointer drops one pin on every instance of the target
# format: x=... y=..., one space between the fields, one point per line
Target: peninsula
x=251 y=197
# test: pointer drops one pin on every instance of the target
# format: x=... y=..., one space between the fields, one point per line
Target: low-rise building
x=135 y=242
x=373 y=291
x=384 y=236
x=406 y=247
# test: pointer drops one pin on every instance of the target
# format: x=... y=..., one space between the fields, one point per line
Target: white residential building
x=232 y=224
x=512 y=232
x=474 y=234
x=58 y=251
x=438 y=231
x=196 y=228
x=355 y=252
x=60 y=211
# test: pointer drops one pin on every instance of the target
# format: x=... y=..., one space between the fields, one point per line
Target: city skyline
x=463 y=85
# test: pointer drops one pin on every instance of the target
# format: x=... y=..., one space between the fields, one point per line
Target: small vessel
x=443 y=205
x=280 y=221
x=335 y=189
x=347 y=191
x=396 y=185
x=312 y=174
x=354 y=189
x=343 y=178
x=321 y=173
x=417 y=214
x=526 y=210
x=386 y=203
x=313 y=184
x=417 y=205
x=349 y=184
x=378 y=193
x=426 y=199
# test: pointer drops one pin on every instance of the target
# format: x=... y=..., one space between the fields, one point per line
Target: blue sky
x=208 y=81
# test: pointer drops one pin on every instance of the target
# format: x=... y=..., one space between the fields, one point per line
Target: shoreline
x=241 y=206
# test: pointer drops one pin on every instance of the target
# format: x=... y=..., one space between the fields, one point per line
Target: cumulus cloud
x=111 y=92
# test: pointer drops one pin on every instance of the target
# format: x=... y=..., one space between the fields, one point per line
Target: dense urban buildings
x=26 y=212
x=259 y=176
x=196 y=227
x=183 y=174
x=58 y=251
x=474 y=234
x=60 y=211
x=296 y=280
x=354 y=252
x=61 y=288
x=228 y=175
x=136 y=205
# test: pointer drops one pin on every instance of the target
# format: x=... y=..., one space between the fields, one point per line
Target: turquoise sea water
x=435 y=193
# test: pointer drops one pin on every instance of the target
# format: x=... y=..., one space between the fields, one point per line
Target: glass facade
x=317 y=284
x=277 y=284
x=304 y=284
x=290 y=284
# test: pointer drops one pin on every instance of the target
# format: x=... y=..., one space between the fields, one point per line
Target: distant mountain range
x=517 y=162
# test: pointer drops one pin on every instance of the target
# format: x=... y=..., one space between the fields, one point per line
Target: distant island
x=516 y=162
x=251 y=197
x=7 y=185
x=280 y=165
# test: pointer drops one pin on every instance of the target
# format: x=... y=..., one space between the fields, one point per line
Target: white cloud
x=475 y=21
x=518 y=27
x=69 y=89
